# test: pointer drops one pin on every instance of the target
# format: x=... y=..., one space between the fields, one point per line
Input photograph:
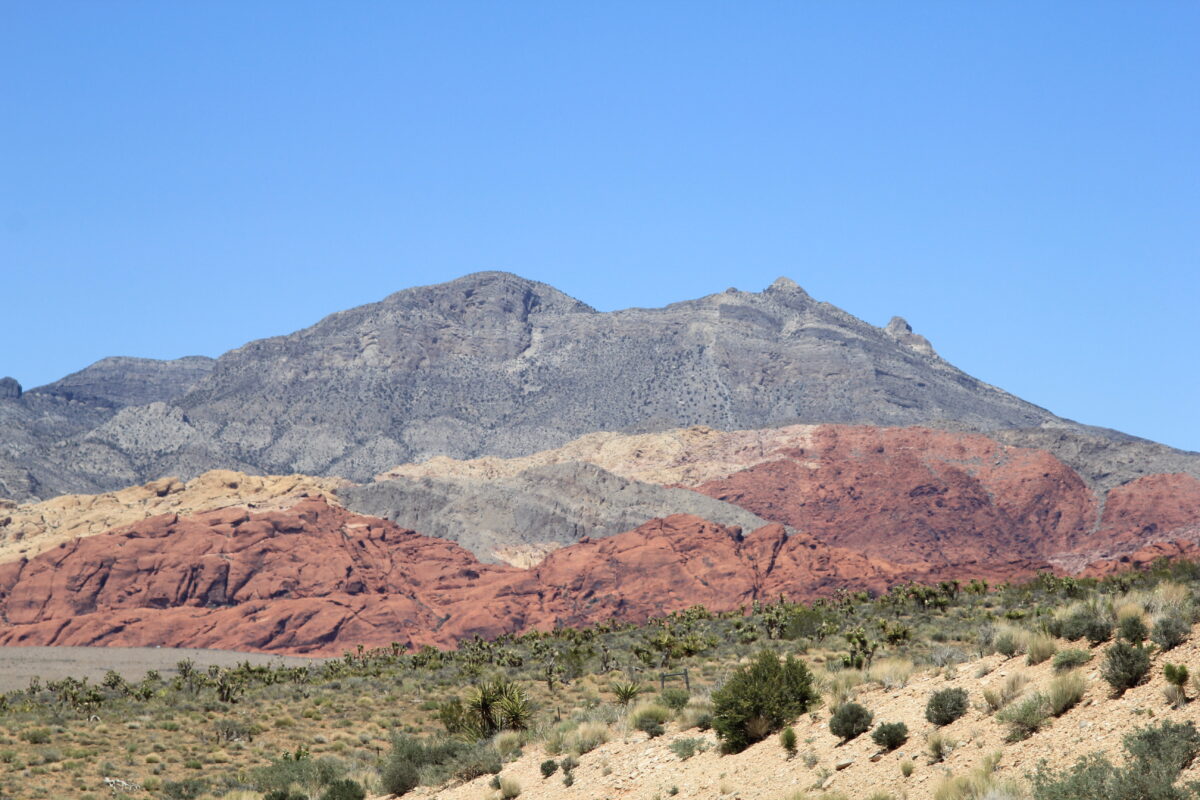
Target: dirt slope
x=631 y=767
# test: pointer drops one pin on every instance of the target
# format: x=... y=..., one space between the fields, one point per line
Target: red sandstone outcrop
x=919 y=495
x=318 y=579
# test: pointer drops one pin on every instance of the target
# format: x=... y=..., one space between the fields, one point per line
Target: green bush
x=787 y=740
x=767 y=690
x=686 y=748
x=650 y=719
x=1172 y=744
x=344 y=789
x=1170 y=632
x=1125 y=665
x=674 y=698
x=549 y=767
x=412 y=762
x=946 y=705
x=1069 y=659
x=1157 y=755
x=1087 y=623
x=1132 y=629
x=1025 y=718
x=1006 y=645
x=849 y=720
x=890 y=735
x=289 y=770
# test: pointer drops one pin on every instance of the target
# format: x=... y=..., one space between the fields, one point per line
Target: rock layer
x=518 y=520
x=30 y=529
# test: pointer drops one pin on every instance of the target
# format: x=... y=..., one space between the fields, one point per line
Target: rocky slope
x=492 y=364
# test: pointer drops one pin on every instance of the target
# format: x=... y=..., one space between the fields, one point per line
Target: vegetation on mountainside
x=387 y=719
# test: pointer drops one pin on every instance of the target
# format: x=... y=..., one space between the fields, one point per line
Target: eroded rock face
x=317 y=579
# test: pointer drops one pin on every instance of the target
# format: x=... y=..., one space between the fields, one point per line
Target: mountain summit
x=495 y=364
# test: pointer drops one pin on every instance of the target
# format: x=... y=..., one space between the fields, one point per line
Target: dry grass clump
x=1064 y=693
x=838 y=687
x=891 y=673
x=508 y=744
x=980 y=783
x=587 y=737
x=1040 y=647
x=997 y=698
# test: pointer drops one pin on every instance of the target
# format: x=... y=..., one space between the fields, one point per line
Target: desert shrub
x=766 y=689
x=287 y=771
x=939 y=745
x=1132 y=629
x=1086 y=622
x=344 y=789
x=849 y=720
x=1064 y=693
x=35 y=735
x=549 y=767
x=998 y=698
x=1173 y=744
x=1157 y=755
x=649 y=719
x=507 y=744
x=412 y=761
x=906 y=768
x=946 y=705
x=787 y=740
x=1125 y=665
x=674 y=698
x=1069 y=659
x=1039 y=648
x=890 y=735
x=686 y=748
x=1025 y=718
x=1006 y=644
x=285 y=794
x=587 y=737
x=978 y=784
x=1170 y=631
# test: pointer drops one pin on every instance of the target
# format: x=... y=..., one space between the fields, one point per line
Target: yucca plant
x=626 y=691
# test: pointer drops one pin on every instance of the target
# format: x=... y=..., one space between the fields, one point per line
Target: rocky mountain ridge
x=493 y=364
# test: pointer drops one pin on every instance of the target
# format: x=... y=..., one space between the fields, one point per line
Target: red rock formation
x=318 y=579
x=919 y=495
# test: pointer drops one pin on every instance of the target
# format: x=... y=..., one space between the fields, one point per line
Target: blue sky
x=1021 y=181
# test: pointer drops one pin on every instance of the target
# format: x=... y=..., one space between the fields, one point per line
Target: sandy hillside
x=632 y=766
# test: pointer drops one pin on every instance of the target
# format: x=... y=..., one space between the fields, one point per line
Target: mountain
x=493 y=364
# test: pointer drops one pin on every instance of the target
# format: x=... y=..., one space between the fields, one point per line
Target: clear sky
x=1020 y=180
